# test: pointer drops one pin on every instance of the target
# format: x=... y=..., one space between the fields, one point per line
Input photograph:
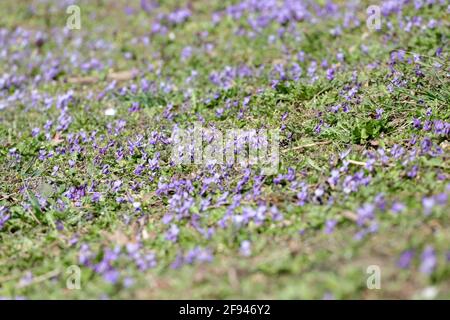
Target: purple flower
x=85 y=255
x=369 y=164
x=373 y=228
x=116 y=185
x=139 y=169
x=132 y=248
x=276 y=214
x=330 y=225
x=379 y=114
x=334 y=178
x=128 y=282
x=397 y=151
x=178 y=16
x=318 y=127
x=105 y=169
x=380 y=202
x=398 y=207
x=147 y=5
x=59 y=225
x=428 y=260
x=416 y=123
x=198 y=255
x=426 y=145
x=186 y=53
x=328 y=296
x=48 y=125
x=441 y=199
x=134 y=107
x=413 y=172
x=96 y=196
x=55 y=170
x=365 y=213
x=35 y=132
x=330 y=73
x=26 y=279
x=172 y=233
x=137 y=205
x=428 y=203
x=296 y=72
x=145 y=262
x=76 y=194
x=319 y=192
x=246 y=248
x=178 y=262
x=405 y=259
x=302 y=196
x=4 y=216
x=111 y=276
x=427 y=125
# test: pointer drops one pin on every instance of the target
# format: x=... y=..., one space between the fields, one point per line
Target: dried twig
x=307 y=146
x=350 y=215
x=118 y=76
x=359 y=163
x=40 y=278
x=122 y=75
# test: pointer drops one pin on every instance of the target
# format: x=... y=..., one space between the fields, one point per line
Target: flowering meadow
x=93 y=206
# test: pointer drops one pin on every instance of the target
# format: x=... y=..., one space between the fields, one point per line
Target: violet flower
x=429 y=261
x=245 y=249
x=4 y=216
x=330 y=225
x=405 y=259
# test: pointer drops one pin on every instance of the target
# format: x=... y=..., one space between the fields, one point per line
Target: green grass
x=292 y=258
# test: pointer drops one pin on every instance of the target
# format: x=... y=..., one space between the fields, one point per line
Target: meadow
x=92 y=205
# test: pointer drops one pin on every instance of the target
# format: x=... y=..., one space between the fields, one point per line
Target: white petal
x=110 y=112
